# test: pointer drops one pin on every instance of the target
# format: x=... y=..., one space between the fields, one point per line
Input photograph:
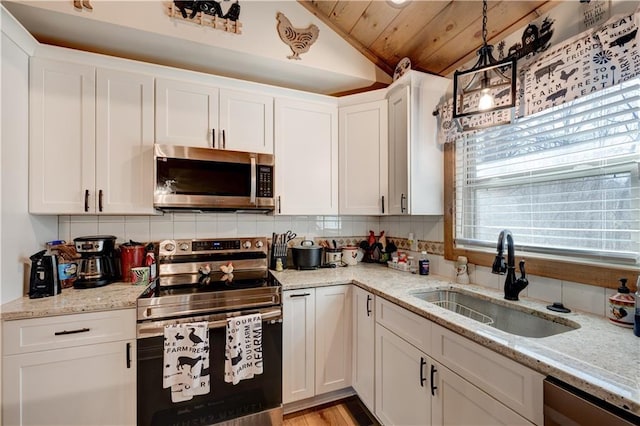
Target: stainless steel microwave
x=206 y=179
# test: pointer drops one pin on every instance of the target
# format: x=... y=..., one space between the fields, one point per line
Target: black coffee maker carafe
x=44 y=280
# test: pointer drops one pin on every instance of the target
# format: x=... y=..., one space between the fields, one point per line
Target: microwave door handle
x=253 y=181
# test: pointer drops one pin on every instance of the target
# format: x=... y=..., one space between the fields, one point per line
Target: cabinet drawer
x=38 y=334
x=409 y=326
x=513 y=384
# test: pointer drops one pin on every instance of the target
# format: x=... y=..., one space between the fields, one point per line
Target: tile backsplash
x=427 y=230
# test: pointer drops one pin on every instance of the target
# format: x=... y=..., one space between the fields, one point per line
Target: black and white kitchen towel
x=243 y=352
x=186 y=360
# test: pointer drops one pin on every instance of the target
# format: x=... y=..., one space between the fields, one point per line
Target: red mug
x=131 y=256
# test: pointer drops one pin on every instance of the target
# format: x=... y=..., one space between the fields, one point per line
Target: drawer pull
x=433 y=382
x=368 y=306
x=65 y=332
x=423 y=379
x=128 y=355
x=301 y=295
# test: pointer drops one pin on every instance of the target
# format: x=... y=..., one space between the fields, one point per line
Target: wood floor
x=347 y=412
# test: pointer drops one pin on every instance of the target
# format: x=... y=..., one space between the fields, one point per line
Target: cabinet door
x=124 y=142
x=402 y=385
x=307 y=156
x=399 y=126
x=333 y=338
x=363 y=350
x=246 y=121
x=457 y=402
x=186 y=114
x=298 y=345
x=85 y=385
x=363 y=158
x=62 y=137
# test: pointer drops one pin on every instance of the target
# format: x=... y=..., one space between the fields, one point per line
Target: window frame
x=539 y=265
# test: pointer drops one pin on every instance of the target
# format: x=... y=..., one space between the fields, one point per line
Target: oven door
x=203 y=178
x=225 y=401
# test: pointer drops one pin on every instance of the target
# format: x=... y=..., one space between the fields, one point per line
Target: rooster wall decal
x=298 y=39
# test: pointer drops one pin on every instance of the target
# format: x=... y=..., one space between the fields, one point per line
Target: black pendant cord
x=484 y=23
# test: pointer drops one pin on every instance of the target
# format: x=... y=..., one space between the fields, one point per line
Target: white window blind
x=563 y=181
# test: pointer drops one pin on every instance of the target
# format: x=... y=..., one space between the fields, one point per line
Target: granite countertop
x=74 y=301
x=599 y=358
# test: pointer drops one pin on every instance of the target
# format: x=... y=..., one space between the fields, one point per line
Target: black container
x=307 y=255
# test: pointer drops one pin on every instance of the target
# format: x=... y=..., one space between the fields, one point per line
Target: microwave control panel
x=265 y=181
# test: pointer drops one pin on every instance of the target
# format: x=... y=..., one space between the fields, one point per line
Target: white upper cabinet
x=199 y=115
x=415 y=158
x=124 y=142
x=91 y=140
x=363 y=153
x=186 y=113
x=306 y=153
x=246 y=121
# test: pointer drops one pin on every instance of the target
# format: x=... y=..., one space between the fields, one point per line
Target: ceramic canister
x=621 y=306
x=350 y=255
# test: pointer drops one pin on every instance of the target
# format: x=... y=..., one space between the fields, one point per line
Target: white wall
x=22 y=234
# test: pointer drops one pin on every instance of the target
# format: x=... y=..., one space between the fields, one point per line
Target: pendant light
x=489 y=85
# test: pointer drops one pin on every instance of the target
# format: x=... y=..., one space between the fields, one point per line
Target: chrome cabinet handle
x=402 y=198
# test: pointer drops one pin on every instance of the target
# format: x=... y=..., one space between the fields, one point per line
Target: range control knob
x=169 y=247
x=246 y=244
x=259 y=244
x=184 y=246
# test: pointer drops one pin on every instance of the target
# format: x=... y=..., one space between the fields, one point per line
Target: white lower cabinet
x=362 y=356
x=414 y=386
x=316 y=341
x=70 y=370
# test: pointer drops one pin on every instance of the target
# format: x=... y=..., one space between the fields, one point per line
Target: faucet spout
x=512 y=285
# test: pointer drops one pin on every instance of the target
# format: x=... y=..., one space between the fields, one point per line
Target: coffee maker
x=97 y=265
x=44 y=280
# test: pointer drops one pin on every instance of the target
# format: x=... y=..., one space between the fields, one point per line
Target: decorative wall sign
x=403 y=66
x=595 y=12
x=533 y=40
x=299 y=40
x=208 y=13
x=584 y=64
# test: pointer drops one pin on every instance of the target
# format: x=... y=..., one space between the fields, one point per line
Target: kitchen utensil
x=350 y=255
x=97 y=265
x=43 y=280
x=307 y=255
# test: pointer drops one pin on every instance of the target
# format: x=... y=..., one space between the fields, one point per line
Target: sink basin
x=501 y=316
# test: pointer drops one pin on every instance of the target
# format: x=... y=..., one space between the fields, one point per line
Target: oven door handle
x=156 y=328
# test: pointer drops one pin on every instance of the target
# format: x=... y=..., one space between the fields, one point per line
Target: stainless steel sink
x=527 y=323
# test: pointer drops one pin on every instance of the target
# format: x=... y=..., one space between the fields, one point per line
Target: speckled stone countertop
x=600 y=358
x=74 y=301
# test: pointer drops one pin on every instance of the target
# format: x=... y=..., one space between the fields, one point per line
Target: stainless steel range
x=211 y=280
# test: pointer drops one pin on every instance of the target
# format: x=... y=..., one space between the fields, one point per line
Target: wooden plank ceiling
x=437 y=36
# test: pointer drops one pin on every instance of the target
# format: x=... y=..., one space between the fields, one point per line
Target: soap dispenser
x=621 y=306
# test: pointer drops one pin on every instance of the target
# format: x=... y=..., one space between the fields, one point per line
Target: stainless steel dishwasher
x=567 y=406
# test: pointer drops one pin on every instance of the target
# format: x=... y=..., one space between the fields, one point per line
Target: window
x=564 y=181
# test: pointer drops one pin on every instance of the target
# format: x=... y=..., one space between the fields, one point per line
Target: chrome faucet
x=512 y=286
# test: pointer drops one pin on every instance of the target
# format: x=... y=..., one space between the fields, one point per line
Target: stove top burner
x=207 y=276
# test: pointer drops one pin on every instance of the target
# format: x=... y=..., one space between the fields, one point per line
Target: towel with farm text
x=186 y=360
x=243 y=353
